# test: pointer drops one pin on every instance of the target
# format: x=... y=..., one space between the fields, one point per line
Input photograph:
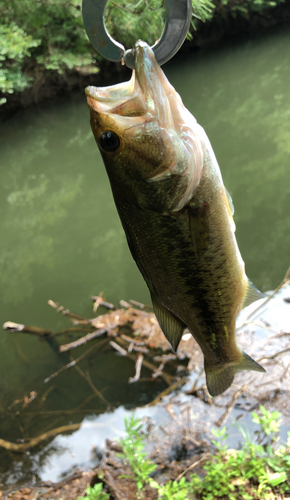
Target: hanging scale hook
x=178 y=17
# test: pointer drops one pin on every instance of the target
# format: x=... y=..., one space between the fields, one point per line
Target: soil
x=109 y=472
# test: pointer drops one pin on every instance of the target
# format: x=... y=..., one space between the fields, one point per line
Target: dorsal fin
x=252 y=294
x=171 y=326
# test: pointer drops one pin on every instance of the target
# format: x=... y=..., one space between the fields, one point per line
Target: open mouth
x=113 y=92
x=132 y=98
x=125 y=99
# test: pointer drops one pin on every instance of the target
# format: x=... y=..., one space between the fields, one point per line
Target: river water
x=61 y=238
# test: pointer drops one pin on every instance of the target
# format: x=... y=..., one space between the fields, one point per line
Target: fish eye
x=109 y=141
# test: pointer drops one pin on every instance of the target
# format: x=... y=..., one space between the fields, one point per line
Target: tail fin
x=218 y=379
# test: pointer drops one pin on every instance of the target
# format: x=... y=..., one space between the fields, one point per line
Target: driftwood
x=65 y=312
x=22 y=447
x=206 y=456
x=118 y=348
x=98 y=300
x=31 y=443
x=82 y=340
x=167 y=391
x=87 y=377
x=138 y=366
x=26 y=400
x=138 y=304
x=9 y=326
x=168 y=378
x=230 y=406
x=75 y=361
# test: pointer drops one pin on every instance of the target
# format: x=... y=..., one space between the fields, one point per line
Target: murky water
x=61 y=238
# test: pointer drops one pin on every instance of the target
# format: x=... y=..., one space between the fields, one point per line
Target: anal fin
x=171 y=326
x=252 y=294
x=231 y=208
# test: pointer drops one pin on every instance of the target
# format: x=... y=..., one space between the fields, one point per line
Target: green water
x=61 y=238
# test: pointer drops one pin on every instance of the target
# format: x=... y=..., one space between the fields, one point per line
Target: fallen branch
x=138 y=304
x=168 y=378
x=65 y=312
x=230 y=406
x=75 y=361
x=138 y=366
x=87 y=377
x=83 y=340
x=72 y=330
x=124 y=303
x=22 y=447
x=167 y=391
x=9 y=326
x=205 y=457
x=194 y=388
x=274 y=355
x=114 y=488
x=118 y=348
x=143 y=350
x=134 y=341
x=25 y=400
x=99 y=301
x=158 y=371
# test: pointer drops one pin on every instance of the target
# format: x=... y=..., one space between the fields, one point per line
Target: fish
x=176 y=213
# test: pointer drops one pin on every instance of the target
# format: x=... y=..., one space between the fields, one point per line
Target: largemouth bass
x=176 y=213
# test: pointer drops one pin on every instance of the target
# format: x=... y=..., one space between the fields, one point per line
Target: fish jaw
x=159 y=138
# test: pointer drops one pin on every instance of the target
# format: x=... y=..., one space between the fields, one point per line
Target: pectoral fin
x=252 y=294
x=199 y=228
x=171 y=326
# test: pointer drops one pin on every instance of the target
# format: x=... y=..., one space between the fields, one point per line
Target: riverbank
x=183 y=440
x=228 y=22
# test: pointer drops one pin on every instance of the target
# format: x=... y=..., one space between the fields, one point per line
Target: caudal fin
x=218 y=379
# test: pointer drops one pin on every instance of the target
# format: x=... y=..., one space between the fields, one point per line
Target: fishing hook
x=178 y=17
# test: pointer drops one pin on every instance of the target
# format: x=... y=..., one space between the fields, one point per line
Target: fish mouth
x=136 y=96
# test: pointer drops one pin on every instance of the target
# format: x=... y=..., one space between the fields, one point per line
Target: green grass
x=95 y=493
x=259 y=470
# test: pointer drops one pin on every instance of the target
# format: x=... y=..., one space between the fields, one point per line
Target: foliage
x=254 y=472
x=245 y=7
x=259 y=470
x=134 y=20
x=95 y=493
x=202 y=10
x=15 y=45
x=133 y=446
x=43 y=36
x=38 y=38
x=268 y=421
x=174 y=490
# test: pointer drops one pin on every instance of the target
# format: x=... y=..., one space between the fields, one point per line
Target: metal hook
x=178 y=17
